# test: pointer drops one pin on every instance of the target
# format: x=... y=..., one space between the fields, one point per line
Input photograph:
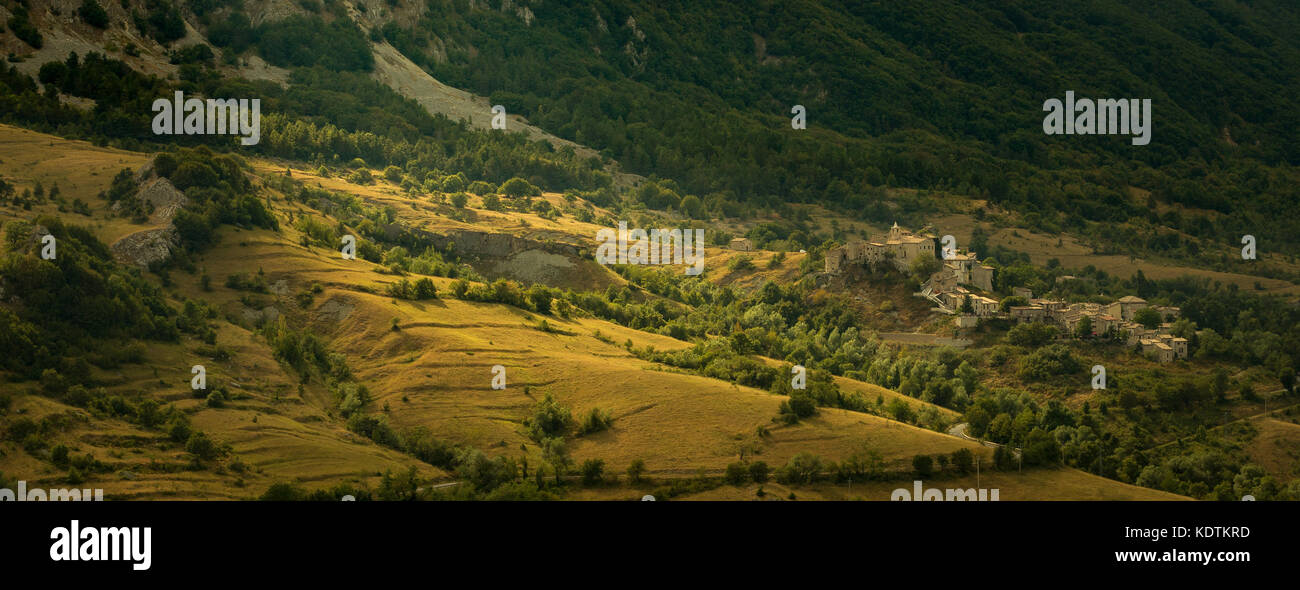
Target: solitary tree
x=923 y=465
x=557 y=454
x=636 y=470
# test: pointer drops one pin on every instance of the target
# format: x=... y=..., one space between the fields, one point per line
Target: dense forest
x=942 y=96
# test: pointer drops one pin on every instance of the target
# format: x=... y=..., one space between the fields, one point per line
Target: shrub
x=93 y=14
x=636 y=470
x=1031 y=334
x=23 y=28
x=736 y=474
x=202 y=447
x=803 y=468
x=963 y=460
x=550 y=419
x=361 y=176
x=741 y=262
x=481 y=188
x=923 y=465
x=596 y=420
x=593 y=472
x=453 y=184
x=518 y=187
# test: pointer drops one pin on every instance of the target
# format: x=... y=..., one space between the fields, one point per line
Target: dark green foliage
x=636 y=471
x=923 y=466
x=702 y=93
x=308 y=41
x=162 y=21
x=963 y=460
x=550 y=419
x=1148 y=317
x=23 y=28
x=1041 y=448
x=93 y=14
x=593 y=472
x=218 y=192
x=736 y=474
x=594 y=421
x=803 y=468
x=1047 y=362
x=483 y=473
x=1031 y=334
x=203 y=447
x=197 y=53
x=70 y=302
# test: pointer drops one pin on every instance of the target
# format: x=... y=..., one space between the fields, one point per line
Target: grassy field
x=1277 y=447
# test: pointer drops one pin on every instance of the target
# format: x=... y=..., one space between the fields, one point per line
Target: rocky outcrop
x=494 y=245
x=148 y=247
x=163 y=198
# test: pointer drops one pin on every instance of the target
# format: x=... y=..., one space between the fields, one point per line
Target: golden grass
x=1276 y=448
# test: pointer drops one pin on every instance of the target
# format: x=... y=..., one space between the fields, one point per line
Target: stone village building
x=900 y=245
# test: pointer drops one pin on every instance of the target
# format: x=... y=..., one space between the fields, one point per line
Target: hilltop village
x=963 y=285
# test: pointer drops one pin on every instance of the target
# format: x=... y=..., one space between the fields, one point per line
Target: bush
x=1047 y=362
x=636 y=470
x=963 y=460
x=737 y=474
x=923 y=465
x=741 y=262
x=282 y=492
x=361 y=176
x=179 y=430
x=481 y=188
x=23 y=28
x=453 y=184
x=202 y=447
x=425 y=289
x=804 y=468
x=758 y=471
x=596 y=420
x=93 y=14
x=550 y=419
x=593 y=472
x=1032 y=334
x=518 y=187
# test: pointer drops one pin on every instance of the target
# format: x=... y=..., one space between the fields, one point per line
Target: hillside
x=430 y=372
x=396 y=278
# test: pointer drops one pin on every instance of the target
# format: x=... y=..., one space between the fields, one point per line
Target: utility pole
x=977 y=472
